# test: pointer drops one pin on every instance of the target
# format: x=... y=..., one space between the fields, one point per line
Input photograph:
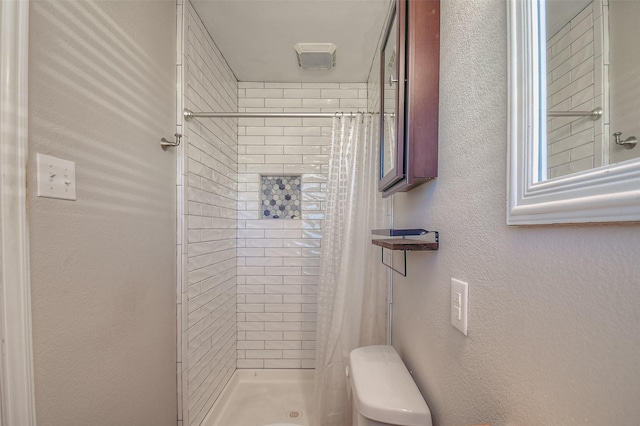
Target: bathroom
x=553 y=327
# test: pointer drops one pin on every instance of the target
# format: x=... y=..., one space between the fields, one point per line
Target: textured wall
x=102 y=85
x=553 y=310
x=208 y=190
x=278 y=259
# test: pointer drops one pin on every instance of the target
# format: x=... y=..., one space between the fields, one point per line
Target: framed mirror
x=574 y=109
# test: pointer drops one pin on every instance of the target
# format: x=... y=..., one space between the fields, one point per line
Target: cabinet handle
x=392 y=80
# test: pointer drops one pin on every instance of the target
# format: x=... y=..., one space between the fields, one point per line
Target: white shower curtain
x=352 y=292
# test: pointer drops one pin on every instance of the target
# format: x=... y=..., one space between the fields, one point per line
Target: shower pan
x=265 y=397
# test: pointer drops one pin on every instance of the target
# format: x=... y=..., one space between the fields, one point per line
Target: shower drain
x=293 y=414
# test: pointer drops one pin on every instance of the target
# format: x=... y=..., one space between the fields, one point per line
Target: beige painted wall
x=553 y=318
x=102 y=94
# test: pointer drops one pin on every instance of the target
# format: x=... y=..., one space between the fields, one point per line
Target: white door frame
x=16 y=368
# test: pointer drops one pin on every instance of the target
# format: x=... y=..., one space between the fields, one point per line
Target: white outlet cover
x=459 y=291
x=56 y=177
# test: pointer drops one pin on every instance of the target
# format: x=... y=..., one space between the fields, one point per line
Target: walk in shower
x=253 y=194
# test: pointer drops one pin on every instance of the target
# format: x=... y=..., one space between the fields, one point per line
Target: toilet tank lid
x=383 y=389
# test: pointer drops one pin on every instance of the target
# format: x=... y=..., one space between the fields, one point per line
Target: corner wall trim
x=16 y=370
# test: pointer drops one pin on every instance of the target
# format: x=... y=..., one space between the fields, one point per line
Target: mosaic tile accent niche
x=280 y=197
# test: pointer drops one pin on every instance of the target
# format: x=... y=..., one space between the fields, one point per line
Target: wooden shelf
x=406 y=244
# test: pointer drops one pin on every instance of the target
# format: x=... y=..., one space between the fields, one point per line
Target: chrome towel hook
x=167 y=144
x=628 y=143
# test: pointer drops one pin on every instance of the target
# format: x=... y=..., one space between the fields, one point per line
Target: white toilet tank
x=383 y=391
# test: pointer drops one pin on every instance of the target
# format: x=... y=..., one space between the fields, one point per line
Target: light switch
x=459 y=304
x=457 y=300
x=56 y=177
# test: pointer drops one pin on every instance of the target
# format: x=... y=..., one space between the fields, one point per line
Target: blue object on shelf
x=399 y=232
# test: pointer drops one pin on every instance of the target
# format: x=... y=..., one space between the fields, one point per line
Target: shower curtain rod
x=189 y=115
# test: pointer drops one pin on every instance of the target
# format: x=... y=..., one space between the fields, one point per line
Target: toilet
x=383 y=392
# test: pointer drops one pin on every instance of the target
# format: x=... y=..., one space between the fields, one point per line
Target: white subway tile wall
x=575 y=72
x=207 y=211
x=278 y=260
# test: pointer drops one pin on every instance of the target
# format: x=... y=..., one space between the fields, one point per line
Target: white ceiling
x=256 y=37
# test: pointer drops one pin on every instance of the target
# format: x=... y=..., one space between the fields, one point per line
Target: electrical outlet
x=459 y=304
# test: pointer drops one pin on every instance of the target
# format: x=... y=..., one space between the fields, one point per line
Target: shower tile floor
x=264 y=397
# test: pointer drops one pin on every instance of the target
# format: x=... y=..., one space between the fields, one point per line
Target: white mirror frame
x=604 y=194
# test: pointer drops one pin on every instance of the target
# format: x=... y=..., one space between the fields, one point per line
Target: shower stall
x=251 y=188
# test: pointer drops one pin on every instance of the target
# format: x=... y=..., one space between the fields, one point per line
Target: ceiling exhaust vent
x=316 y=56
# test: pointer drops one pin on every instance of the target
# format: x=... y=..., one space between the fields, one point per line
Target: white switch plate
x=56 y=177
x=459 y=304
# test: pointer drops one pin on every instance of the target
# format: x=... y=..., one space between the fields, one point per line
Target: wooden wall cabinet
x=409 y=96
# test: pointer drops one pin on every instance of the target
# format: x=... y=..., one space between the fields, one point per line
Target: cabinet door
x=409 y=96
